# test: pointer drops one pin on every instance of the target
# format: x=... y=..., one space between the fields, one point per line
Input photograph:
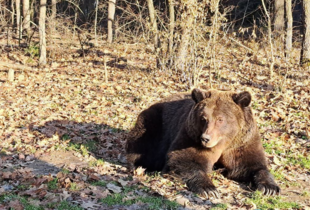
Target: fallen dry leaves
x=67 y=108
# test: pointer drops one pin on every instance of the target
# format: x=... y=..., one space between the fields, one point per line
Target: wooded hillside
x=74 y=75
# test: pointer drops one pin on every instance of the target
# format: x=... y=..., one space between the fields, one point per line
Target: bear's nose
x=205 y=137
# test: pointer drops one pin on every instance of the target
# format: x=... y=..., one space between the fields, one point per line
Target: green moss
x=65 y=137
x=303 y=161
x=91 y=146
x=74 y=147
x=266 y=202
x=64 y=205
x=74 y=186
x=99 y=183
x=305 y=194
x=272 y=147
x=52 y=185
x=23 y=200
x=219 y=206
x=98 y=162
x=278 y=175
x=65 y=171
x=152 y=201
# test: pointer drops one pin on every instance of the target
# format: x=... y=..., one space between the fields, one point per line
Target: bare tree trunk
x=42 y=18
x=75 y=19
x=111 y=13
x=152 y=14
x=13 y=11
x=270 y=40
x=187 y=20
x=171 y=24
x=289 y=28
x=305 y=51
x=54 y=9
x=18 y=21
x=279 y=15
x=96 y=17
x=26 y=15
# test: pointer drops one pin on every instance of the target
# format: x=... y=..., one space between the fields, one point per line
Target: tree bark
x=152 y=15
x=270 y=40
x=96 y=17
x=26 y=15
x=289 y=28
x=171 y=24
x=18 y=21
x=305 y=51
x=111 y=13
x=54 y=9
x=13 y=11
x=187 y=19
x=42 y=18
x=279 y=15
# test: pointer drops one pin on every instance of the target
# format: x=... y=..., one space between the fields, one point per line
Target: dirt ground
x=63 y=130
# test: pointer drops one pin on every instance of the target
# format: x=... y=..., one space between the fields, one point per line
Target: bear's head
x=218 y=116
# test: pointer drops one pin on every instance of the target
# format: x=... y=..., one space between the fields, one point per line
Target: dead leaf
x=99 y=194
x=6 y=175
x=89 y=205
x=15 y=204
x=276 y=161
x=114 y=188
x=94 y=177
x=122 y=182
x=21 y=156
x=139 y=171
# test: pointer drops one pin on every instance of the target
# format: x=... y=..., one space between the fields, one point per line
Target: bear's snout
x=205 y=138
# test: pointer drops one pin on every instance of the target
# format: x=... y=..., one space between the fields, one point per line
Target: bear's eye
x=204 y=120
x=220 y=119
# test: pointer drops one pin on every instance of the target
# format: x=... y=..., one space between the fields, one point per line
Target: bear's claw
x=269 y=189
x=211 y=193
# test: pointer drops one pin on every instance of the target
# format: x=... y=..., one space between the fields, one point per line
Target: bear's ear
x=243 y=99
x=199 y=95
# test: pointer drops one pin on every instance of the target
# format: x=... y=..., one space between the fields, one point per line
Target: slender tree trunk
x=289 y=28
x=52 y=22
x=26 y=15
x=187 y=24
x=75 y=19
x=18 y=21
x=270 y=40
x=171 y=24
x=54 y=9
x=305 y=51
x=96 y=17
x=13 y=11
x=279 y=15
x=152 y=15
x=42 y=18
x=111 y=13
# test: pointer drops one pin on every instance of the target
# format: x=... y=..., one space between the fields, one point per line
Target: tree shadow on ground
x=103 y=142
x=99 y=140
x=62 y=166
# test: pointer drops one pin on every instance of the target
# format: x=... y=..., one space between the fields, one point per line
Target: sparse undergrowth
x=261 y=202
x=68 y=108
x=151 y=201
x=21 y=202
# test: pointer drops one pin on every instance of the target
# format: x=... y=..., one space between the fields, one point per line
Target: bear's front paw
x=265 y=183
x=269 y=189
x=203 y=188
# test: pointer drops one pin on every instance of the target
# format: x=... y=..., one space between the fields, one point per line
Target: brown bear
x=188 y=134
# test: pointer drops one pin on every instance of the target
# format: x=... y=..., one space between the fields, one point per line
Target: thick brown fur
x=186 y=135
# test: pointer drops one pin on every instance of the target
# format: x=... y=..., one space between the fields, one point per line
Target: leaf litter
x=63 y=131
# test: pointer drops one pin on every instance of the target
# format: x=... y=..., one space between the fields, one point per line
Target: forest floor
x=63 y=128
